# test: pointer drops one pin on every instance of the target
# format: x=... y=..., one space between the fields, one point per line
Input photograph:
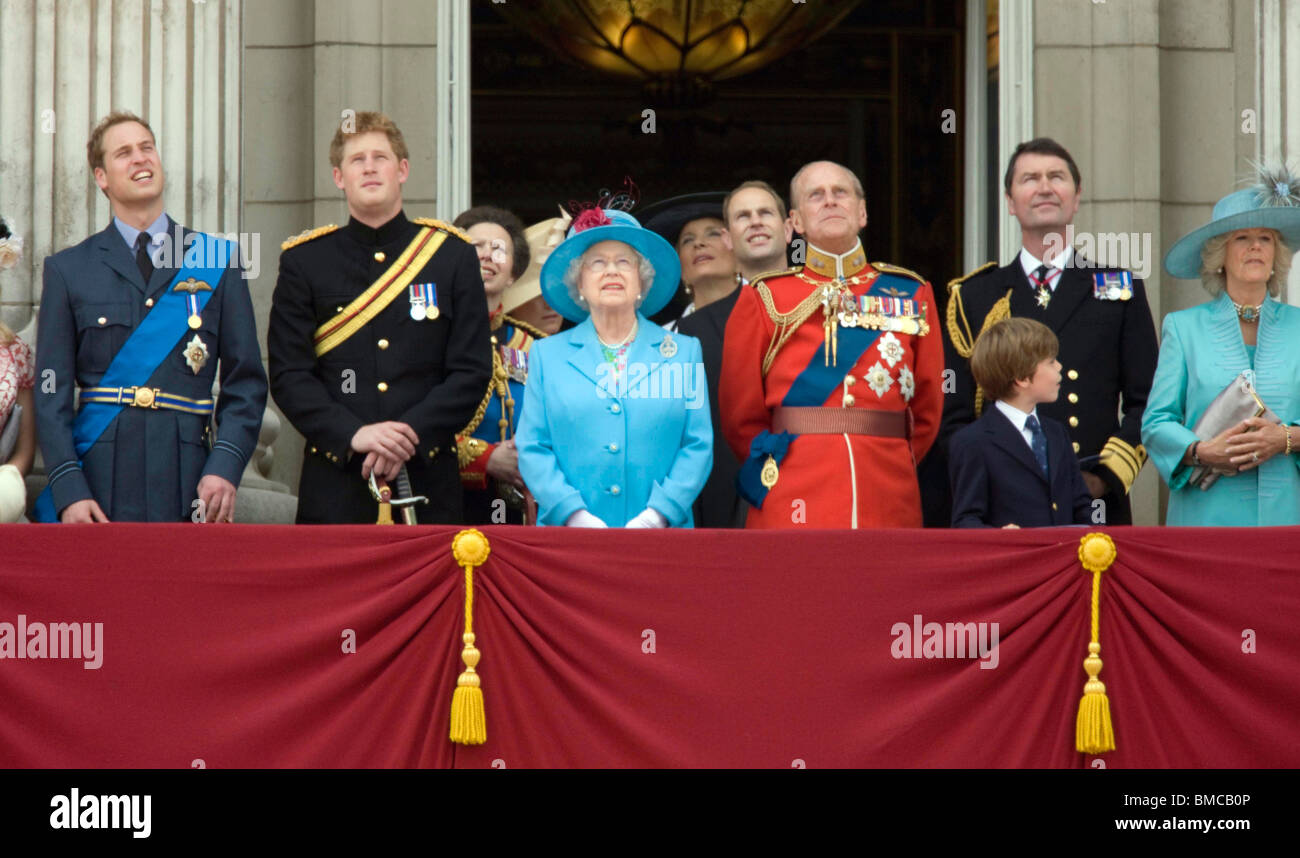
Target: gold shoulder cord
x=962 y=341
x=536 y=333
x=496 y=386
x=786 y=323
x=444 y=226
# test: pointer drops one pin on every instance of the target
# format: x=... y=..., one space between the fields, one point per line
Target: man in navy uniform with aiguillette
x=143 y=317
x=1099 y=314
x=378 y=343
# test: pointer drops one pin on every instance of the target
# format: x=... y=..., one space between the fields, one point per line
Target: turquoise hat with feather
x=1273 y=202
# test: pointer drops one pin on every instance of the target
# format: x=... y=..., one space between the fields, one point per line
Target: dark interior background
x=869 y=94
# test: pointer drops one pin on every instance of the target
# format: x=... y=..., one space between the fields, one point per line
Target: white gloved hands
x=582 y=518
x=648 y=518
x=13 y=494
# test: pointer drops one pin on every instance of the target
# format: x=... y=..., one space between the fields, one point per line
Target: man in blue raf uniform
x=378 y=341
x=1099 y=314
x=140 y=317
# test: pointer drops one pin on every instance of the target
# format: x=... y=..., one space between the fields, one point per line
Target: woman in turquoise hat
x=615 y=429
x=1243 y=257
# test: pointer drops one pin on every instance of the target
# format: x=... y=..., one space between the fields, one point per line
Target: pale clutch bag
x=1236 y=403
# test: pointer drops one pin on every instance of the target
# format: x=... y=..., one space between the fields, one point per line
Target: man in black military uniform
x=1100 y=315
x=140 y=317
x=378 y=341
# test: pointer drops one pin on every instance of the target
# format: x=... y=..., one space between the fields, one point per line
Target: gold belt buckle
x=145 y=397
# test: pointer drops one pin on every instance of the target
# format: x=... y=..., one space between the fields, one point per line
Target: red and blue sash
x=814 y=385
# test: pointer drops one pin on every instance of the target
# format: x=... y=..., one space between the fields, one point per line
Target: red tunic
x=834 y=481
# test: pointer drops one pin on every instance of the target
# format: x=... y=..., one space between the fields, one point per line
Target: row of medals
x=420 y=311
x=850 y=315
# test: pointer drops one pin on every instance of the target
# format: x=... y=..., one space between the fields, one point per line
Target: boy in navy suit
x=1013 y=467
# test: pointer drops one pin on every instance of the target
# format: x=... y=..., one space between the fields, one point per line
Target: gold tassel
x=1093 y=733
x=468 y=721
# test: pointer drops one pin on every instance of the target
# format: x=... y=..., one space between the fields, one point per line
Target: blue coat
x=587 y=443
x=1201 y=351
x=147 y=464
x=996 y=480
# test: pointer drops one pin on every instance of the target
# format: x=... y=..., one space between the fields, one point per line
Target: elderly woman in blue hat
x=1242 y=256
x=615 y=429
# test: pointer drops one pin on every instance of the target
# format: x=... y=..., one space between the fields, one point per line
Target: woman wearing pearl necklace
x=1243 y=257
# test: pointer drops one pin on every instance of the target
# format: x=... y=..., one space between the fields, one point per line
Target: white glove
x=582 y=518
x=13 y=494
x=648 y=518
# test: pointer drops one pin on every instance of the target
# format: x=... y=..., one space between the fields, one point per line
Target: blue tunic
x=1201 y=352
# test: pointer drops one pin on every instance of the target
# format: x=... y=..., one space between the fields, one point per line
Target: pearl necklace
x=621 y=343
x=1247 y=312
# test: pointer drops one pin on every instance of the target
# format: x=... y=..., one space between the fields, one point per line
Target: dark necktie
x=1039 y=278
x=1039 y=442
x=142 y=258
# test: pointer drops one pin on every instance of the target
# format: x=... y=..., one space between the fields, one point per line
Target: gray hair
x=645 y=270
x=794 y=183
x=1214 y=252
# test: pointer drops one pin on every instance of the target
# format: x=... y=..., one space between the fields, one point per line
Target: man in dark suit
x=757 y=231
x=1100 y=314
x=378 y=341
x=140 y=316
x=1014 y=467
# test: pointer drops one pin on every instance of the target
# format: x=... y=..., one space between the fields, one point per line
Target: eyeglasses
x=601 y=264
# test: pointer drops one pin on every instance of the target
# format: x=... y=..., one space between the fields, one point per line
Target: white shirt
x=671 y=326
x=1018 y=419
x=1031 y=263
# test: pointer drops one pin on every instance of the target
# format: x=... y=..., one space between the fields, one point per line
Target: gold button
x=1076 y=446
x=383 y=344
x=849 y=400
x=1072 y=375
x=379 y=256
x=433 y=453
x=103 y=321
x=313 y=449
x=1053 y=505
x=850 y=380
x=1073 y=397
x=383 y=387
x=148 y=302
x=1074 y=421
x=339 y=308
x=494 y=339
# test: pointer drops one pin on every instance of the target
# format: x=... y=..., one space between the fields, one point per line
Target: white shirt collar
x=1017 y=417
x=1030 y=263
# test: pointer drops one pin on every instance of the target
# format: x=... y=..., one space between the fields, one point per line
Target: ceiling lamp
x=676 y=48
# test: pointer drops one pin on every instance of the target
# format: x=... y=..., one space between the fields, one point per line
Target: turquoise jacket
x=587 y=441
x=1201 y=352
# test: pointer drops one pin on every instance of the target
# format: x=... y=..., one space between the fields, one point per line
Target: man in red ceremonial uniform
x=831 y=374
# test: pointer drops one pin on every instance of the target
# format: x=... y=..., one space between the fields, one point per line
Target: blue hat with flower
x=593 y=226
x=1272 y=203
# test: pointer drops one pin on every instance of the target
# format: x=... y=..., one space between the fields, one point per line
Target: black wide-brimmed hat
x=668 y=217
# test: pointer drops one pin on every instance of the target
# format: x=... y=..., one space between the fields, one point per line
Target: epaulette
x=767 y=275
x=536 y=333
x=957 y=281
x=307 y=235
x=897 y=269
x=445 y=227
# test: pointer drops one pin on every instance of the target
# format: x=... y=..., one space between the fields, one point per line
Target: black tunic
x=429 y=374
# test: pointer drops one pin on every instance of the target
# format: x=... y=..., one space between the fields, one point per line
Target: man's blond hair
x=363 y=123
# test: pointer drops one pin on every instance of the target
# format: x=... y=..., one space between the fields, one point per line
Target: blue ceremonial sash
x=812 y=387
x=147 y=347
